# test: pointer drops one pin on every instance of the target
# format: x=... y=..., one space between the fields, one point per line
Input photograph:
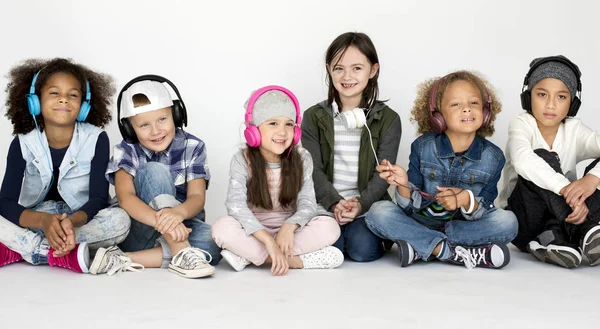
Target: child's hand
x=168 y=218
x=54 y=232
x=342 y=207
x=353 y=210
x=578 y=191
x=67 y=225
x=285 y=239
x=279 y=264
x=392 y=174
x=180 y=233
x=579 y=214
x=452 y=198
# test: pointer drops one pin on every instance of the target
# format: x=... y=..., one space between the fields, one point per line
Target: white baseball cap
x=156 y=92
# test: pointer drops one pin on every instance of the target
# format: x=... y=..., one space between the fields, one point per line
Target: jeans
x=358 y=242
x=154 y=186
x=109 y=227
x=387 y=220
x=539 y=210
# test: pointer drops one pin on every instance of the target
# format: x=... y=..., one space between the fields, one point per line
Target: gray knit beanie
x=272 y=104
x=556 y=70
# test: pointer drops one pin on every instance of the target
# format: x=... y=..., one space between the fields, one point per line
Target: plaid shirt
x=183 y=153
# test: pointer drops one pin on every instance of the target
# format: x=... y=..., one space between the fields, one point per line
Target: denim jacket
x=434 y=163
x=74 y=178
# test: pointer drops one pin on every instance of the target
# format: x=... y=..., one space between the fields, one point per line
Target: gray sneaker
x=191 y=263
x=590 y=246
x=112 y=260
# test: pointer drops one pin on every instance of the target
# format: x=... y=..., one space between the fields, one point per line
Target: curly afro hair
x=19 y=82
x=420 y=111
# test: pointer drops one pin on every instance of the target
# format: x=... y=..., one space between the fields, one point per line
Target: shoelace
x=192 y=257
x=120 y=263
x=466 y=257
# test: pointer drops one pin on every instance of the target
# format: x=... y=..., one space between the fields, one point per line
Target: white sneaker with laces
x=191 y=263
x=112 y=260
x=328 y=257
x=237 y=262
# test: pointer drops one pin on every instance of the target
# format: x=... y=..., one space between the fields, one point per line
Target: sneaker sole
x=505 y=256
x=591 y=246
x=100 y=253
x=403 y=254
x=557 y=255
x=229 y=259
x=83 y=257
x=193 y=274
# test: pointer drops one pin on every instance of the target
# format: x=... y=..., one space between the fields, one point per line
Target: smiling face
x=155 y=130
x=60 y=99
x=550 y=102
x=350 y=73
x=277 y=134
x=462 y=108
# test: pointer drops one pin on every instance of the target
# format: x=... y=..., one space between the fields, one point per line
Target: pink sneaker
x=77 y=260
x=8 y=256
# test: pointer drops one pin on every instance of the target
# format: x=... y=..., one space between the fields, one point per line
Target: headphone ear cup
x=252 y=135
x=33 y=103
x=526 y=100
x=360 y=118
x=437 y=122
x=127 y=131
x=486 y=117
x=297 y=134
x=84 y=110
x=575 y=104
x=177 y=113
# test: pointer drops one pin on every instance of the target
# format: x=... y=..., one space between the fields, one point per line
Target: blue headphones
x=33 y=101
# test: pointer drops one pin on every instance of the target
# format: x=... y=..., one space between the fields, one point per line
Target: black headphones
x=526 y=94
x=178 y=108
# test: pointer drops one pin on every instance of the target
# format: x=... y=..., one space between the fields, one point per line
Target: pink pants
x=228 y=233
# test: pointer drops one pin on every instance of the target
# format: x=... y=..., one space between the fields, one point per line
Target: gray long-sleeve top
x=237 y=198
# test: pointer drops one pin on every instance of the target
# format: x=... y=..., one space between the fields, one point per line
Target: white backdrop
x=217 y=52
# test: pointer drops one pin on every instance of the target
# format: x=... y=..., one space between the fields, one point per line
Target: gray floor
x=526 y=294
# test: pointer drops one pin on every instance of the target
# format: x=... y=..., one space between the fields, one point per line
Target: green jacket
x=318 y=139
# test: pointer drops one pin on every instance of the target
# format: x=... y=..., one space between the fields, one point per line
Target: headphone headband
x=146 y=77
x=259 y=92
x=559 y=59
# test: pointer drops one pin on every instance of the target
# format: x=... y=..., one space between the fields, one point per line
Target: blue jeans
x=389 y=221
x=154 y=186
x=358 y=242
x=109 y=227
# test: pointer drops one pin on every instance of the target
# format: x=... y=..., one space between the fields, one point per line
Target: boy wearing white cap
x=160 y=176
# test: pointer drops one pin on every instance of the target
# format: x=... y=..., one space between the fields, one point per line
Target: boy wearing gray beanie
x=558 y=214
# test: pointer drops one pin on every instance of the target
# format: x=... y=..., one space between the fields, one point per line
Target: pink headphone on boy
x=436 y=119
x=252 y=134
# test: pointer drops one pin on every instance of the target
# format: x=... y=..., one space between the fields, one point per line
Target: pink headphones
x=436 y=119
x=252 y=134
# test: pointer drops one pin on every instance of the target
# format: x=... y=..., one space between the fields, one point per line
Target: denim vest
x=74 y=177
x=434 y=163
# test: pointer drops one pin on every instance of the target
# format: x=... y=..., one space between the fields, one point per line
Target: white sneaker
x=237 y=262
x=112 y=260
x=191 y=263
x=328 y=257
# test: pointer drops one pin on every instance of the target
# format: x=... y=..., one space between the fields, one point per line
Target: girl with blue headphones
x=54 y=196
x=271 y=199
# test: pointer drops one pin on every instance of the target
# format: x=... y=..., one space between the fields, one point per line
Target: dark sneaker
x=564 y=256
x=493 y=255
x=406 y=253
x=590 y=245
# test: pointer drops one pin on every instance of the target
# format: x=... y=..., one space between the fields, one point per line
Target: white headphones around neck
x=352 y=119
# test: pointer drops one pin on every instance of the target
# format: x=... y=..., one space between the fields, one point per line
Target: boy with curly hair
x=445 y=201
x=54 y=197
